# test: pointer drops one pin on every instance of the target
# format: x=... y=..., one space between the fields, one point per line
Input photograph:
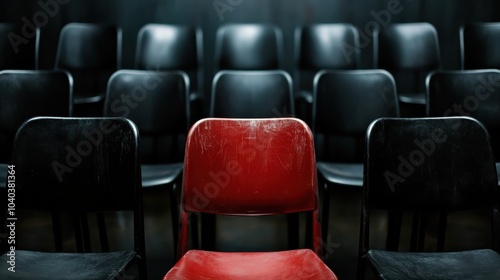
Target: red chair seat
x=292 y=264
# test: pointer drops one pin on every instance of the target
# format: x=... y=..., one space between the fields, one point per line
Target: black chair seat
x=159 y=174
x=349 y=174
x=413 y=98
x=474 y=264
x=53 y=266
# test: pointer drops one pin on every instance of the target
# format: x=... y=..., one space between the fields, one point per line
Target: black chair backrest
x=252 y=94
x=328 y=46
x=474 y=93
x=167 y=47
x=345 y=103
x=88 y=46
x=77 y=164
x=29 y=93
x=18 y=49
x=248 y=47
x=158 y=103
x=429 y=164
x=91 y=53
x=479 y=45
x=408 y=46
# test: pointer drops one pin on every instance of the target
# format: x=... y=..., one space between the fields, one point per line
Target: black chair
x=91 y=53
x=473 y=93
x=479 y=44
x=252 y=94
x=248 y=47
x=166 y=47
x=76 y=166
x=18 y=49
x=345 y=103
x=160 y=109
x=428 y=165
x=318 y=47
x=25 y=94
x=409 y=51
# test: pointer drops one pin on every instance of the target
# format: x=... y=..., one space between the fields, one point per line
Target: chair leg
x=85 y=232
x=421 y=232
x=208 y=227
x=325 y=211
x=393 y=230
x=293 y=230
x=175 y=218
x=103 y=233
x=414 y=232
x=308 y=234
x=195 y=233
x=78 y=233
x=56 y=228
x=443 y=220
x=418 y=232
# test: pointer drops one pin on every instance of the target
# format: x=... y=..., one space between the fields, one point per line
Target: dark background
x=446 y=15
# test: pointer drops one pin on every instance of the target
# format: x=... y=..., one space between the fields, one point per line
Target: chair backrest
x=328 y=46
x=479 y=45
x=18 y=49
x=474 y=93
x=157 y=102
x=29 y=93
x=91 y=53
x=249 y=167
x=429 y=164
x=408 y=46
x=79 y=165
x=345 y=103
x=248 y=47
x=252 y=94
x=167 y=47
x=409 y=51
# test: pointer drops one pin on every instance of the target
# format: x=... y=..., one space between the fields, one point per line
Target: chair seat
x=67 y=266
x=160 y=174
x=292 y=264
x=413 y=98
x=350 y=174
x=474 y=264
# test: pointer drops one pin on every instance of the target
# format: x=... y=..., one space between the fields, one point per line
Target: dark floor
x=263 y=233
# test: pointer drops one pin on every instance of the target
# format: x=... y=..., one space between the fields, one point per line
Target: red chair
x=250 y=167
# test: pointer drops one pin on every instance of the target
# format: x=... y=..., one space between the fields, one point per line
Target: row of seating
x=345 y=102
x=250 y=167
x=407 y=50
